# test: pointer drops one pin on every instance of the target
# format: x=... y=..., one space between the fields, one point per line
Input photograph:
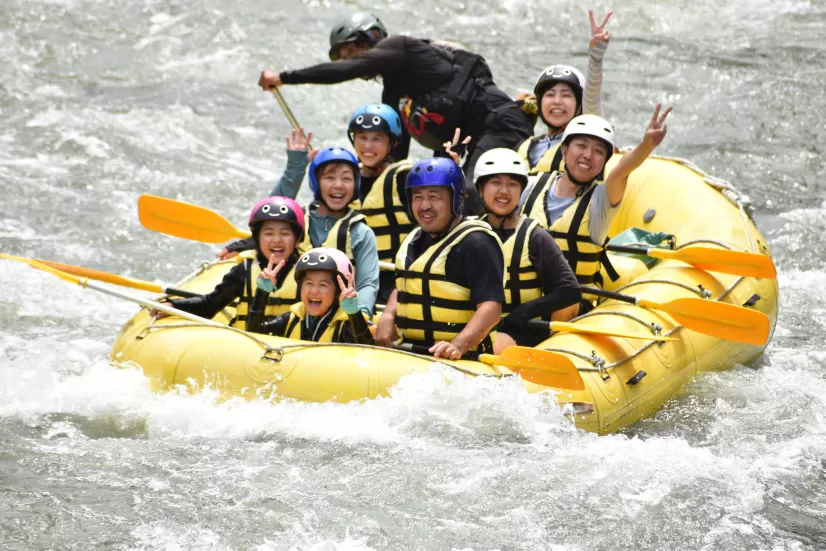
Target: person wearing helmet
x=331 y=221
x=277 y=225
x=575 y=205
x=323 y=314
x=539 y=283
x=562 y=92
x=449 y=271
x=374 y=131
x=442 y=87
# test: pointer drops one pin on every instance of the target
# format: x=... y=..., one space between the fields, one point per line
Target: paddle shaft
x=610 y=294
x=123 y=281
x=425 y=351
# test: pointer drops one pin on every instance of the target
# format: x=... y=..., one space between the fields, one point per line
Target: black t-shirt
x=476 y=264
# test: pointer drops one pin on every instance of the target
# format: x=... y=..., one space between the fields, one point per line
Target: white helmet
x=500 y=161
x=591 y=125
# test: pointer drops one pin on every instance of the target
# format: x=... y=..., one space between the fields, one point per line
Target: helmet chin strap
x=582 y=184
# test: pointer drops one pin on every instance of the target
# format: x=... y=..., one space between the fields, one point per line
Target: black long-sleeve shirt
x=560 y=287
x=230 y=288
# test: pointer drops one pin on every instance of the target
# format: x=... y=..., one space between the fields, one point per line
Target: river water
x=101 y=101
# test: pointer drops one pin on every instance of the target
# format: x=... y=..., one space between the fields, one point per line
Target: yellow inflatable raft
x=625 y=379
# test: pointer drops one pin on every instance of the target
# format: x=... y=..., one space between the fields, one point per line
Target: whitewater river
x=103 y=100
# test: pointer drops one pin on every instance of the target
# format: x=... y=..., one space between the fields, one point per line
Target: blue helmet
x=327 y=156
x=439 y=171
x=375 y=117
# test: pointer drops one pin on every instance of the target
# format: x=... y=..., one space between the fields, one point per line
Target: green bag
x=638 y=237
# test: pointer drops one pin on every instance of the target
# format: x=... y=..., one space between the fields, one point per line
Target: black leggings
x=507 y=126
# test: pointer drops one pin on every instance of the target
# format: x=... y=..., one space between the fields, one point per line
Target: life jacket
x=550 y=161
x=571 y=231
x=431 y=308
x=384 y=212
x=432 y=118
x=331 y=333
x=339 y=235
x=521 y=280
x=278 y=302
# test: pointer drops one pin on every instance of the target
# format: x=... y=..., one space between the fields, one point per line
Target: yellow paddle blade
x=587 y=329
x=717 y=319
x=98 y=275
x=35 y=264
x=538 y=366
x=720 y=260
x=187 y=221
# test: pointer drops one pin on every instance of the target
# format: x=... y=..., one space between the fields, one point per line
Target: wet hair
x=325 y=168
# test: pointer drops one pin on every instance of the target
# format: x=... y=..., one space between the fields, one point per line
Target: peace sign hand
x=266 y=279
x=598 y=32
x=349 y=290
x=298 y=141
x=450 y=145
x=656 y=130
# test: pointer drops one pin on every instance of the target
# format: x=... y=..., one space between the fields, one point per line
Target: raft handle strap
x=597 y=361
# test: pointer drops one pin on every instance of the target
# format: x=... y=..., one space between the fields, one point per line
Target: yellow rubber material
x=616 y=394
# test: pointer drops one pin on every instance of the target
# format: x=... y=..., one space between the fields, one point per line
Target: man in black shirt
x=443 y=87
x=449 y=271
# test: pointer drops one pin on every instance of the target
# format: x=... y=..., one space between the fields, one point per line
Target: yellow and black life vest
x=278 y=302
x=384 y=212
x=332 y=333
x=550 y=161
x=338 y=236
x=431 y=308
x=521 y=280
x=571 y=231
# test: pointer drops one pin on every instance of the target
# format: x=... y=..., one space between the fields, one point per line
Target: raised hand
x=348 y=290
x=656 y=130
x=450 y=145
x=269 y=273
x=298 y=141
x=598 y=32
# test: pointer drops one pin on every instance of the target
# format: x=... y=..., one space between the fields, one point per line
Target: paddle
x=587 y=329
x=187 y=221
x=137 y=300
x=709 y=317
x=286 y=108
x=710 y=259
x=98 y=275
x=537 y=366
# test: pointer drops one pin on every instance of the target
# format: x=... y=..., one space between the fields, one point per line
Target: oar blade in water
x=187 y=221
x=717 y=319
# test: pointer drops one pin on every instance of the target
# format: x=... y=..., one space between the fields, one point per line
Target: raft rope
x=278 y=351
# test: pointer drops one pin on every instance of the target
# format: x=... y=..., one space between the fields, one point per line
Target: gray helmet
x=359 y=25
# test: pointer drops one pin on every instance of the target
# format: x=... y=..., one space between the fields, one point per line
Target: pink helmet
x=326 y=260
x=283 y=209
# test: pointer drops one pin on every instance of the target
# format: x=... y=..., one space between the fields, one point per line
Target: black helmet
x=555 y=74
x=361 y=25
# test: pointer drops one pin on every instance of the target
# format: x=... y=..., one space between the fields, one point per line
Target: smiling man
x=449 y=271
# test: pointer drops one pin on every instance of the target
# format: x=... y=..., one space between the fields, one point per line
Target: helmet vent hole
x=430 y=169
